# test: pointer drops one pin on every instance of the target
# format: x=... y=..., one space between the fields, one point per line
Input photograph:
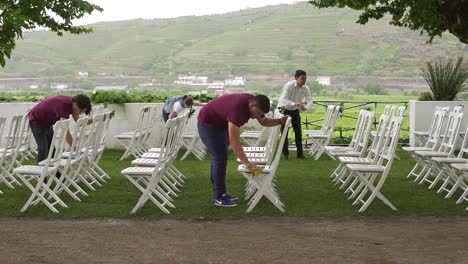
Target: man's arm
x=283 y=100
x=270 y=122
x=198 y=103
x=308 y=97
x=69 y=138
x=172 y=114
x=234 y=140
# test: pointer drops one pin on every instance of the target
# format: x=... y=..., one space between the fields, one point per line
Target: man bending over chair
x=291 y=99
x=177 y=104
x=45 y=114
x=219 y=125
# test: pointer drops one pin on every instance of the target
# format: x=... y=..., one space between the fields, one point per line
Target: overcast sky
x=130 y=9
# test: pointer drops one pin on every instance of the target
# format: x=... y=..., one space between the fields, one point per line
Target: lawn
x=303 y=185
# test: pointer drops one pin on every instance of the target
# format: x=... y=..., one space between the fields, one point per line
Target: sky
x=131 y=9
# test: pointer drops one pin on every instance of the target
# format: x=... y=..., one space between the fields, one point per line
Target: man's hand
x=252 y=166
x=283 y=119
x=299 y=105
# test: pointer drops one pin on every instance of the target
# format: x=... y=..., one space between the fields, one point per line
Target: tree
x=18 y=16
x=430 y=16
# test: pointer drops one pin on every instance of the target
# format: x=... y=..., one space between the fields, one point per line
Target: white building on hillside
x=110 y=88
x=324 y=80
x=59 y=86
x=237 y=81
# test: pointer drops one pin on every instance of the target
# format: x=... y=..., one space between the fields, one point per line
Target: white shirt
x=292 y=94
x=178 y=107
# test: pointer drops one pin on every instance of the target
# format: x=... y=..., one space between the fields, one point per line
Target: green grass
x=304 y=187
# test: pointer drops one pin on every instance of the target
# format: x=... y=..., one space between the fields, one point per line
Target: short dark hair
x=188 y=100
x=83 y=102
x=263 y=102
x=299 y=73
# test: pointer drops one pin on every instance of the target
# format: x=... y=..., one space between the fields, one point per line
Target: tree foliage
x=18 y=16
x=430 y=16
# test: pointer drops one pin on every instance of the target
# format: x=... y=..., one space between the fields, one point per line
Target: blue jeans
x=216 y=141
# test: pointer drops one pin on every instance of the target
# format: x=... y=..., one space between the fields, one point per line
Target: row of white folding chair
x=321 y=140
x=263 y=185
x=365 y=177
x=12 y=152
x=135 y=142
x=441 y=142
x=360 y=139
x=154 y=178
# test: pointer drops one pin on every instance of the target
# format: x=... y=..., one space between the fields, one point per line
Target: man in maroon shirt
x=219 y=125
x=46 y=113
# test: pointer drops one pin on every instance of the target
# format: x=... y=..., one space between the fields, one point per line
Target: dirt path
x=264 y=240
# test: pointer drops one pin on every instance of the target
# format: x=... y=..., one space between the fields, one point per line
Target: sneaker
x=233 y=198
x=224 y=201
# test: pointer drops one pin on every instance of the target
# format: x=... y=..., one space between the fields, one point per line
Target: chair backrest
x=274 y=133
x=451 y=132
x=391 y=142
x=458 y=108
x=464 y=146
x=58 y=144
x=13 y=137
x=435 y=130
x=380 y=137
x=364 y=135
x=2 y=127
x=358 y=128
x=79 y=137
x=400 y=111
x=387 y=110
x=335 y=116
x=279 y=148
x=328 y=118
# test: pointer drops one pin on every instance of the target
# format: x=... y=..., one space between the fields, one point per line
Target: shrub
x=376 y=89
x=425 y=96
x=110 y=97
x=445 y=78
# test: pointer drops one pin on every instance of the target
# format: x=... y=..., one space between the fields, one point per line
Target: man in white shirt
x=291 y=99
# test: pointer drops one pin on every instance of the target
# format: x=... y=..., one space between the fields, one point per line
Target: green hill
x=263 y=41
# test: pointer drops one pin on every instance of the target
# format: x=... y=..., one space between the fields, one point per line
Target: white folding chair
x=446 y=148
x=150 y=180
x=326 y=122
x=359 y=141
x=38 y=174
x=133 y=141
x=193 y=145
x=262 y=185
x=370 y=184
x=321 y=140
x=9 y=152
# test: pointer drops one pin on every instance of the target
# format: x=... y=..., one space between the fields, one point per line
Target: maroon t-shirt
x=51 y=110
x=232 y=108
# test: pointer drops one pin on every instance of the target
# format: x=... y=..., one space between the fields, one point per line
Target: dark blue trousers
x=216 y=141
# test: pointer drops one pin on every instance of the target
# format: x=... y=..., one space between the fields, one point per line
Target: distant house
x=59 y=86
x=191 y=80
x=237 y=81
x=110 y=88
x=83 y=75
x=324 y=80
x=33 y=86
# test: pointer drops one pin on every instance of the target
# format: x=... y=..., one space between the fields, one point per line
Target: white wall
x=126 y=118
x=421 y=115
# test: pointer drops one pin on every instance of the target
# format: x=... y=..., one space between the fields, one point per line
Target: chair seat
x=413 y=149
x=421 y=133
x=62 y=163
x=460 y=166
x=145 y=162
x=450 y=160
x=32 y=170
x=189 y=136
x=254 y=149
x=354 y=160
x=150 y=155
x=345 y=154
x=127 y=135
x=312 y=131
x=256 y=161
x=138 y=171
x=154 y=150
x=365 y=167
x=431 y=154
x=337 y=149
x=243 y=168
x=319 y=136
